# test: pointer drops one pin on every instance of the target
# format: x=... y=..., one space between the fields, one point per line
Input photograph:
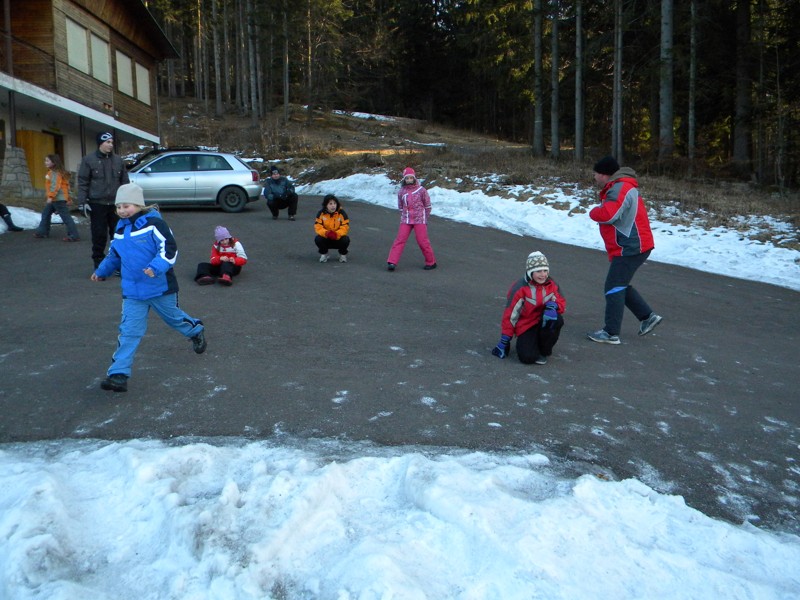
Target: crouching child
x=331 y=226
x=533 y=314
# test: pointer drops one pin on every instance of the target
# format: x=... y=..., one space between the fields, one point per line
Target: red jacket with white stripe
x=235 y=250
x=622 y=215
x=525 y=305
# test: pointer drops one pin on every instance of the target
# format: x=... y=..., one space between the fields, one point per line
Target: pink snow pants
x=421 y=233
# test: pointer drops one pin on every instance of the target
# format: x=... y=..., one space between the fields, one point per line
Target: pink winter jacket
x=414 y=204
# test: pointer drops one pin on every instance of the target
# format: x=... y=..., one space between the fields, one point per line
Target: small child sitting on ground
x=533 y=313
x=227 y=259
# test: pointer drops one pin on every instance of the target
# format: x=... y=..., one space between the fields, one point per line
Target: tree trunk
x=690 y=136
x=555 y=140
x=742 y=118
x=666 y=135
x=205 y=68
x=251 y=59
x=616 y=111
x=285 y=62
x=238 y=64
x=198 y=45
x=309 y=63
x=226 y=57
x=218 y=111
x=172 y=88
x=538 y=112
x=579 y=81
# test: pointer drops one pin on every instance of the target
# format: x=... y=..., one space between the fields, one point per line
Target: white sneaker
x=323 y=258
x=342 y=258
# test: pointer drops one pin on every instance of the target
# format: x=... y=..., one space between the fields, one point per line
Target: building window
x=142 y=84
x=88 y=53
x=124 y=74
x=77 y=50
x=101 y=67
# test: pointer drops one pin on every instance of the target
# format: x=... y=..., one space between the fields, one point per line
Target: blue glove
x=550 y=315
x=503 y=347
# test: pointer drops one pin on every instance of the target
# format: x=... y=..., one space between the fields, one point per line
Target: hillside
x=336 y=144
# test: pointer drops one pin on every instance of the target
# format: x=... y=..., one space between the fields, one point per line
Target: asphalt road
x=705 y=407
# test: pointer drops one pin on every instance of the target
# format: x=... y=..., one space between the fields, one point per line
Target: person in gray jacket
x=280 y=194
x=99 y=177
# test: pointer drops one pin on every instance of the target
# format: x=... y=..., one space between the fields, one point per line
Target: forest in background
x=697 y=88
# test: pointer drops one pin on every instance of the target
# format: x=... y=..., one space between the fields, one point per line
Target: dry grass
x=325 y=145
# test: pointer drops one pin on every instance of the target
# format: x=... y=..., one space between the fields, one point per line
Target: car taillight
x=255 y=176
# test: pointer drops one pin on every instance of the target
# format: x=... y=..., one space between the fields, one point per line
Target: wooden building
x=70 y=69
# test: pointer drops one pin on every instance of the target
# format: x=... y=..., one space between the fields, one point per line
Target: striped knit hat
x=536 y=262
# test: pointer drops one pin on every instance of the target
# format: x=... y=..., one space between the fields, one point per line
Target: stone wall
x=15 y=181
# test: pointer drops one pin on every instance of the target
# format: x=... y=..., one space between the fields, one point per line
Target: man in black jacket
x=280 y=194
x=99 y=176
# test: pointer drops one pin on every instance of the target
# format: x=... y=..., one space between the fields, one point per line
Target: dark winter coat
x=278 y=189
x=99 y=178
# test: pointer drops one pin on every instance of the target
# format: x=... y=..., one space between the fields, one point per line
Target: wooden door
x=37 y=145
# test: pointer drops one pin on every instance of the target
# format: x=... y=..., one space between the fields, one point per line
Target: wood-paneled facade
x=41 y=91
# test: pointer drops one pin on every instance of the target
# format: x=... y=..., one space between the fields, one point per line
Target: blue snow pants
x=134 y=325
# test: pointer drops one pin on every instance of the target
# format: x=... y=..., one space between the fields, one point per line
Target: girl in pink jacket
x=415 y=208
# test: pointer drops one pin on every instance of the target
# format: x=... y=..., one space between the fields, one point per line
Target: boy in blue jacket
x=143 y=251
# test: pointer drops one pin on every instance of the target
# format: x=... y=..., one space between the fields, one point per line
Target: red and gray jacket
x=623 y=216
x=525 y=305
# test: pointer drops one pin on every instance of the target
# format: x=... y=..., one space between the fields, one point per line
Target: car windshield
x=146 y=161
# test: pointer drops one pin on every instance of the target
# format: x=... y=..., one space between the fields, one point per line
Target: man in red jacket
x=626 y=233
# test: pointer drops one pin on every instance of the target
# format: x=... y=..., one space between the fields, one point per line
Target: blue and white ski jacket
x=147 y=241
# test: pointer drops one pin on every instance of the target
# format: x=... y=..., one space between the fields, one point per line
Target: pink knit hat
x=409 y=172
x=221 y=233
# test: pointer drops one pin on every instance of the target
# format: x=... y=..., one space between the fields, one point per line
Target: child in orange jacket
x=332 y=226
x=227 y=259
x=57 y=189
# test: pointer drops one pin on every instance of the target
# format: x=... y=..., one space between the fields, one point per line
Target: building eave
x=36 y=94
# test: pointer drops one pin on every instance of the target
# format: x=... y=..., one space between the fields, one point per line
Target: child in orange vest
x=57 y=189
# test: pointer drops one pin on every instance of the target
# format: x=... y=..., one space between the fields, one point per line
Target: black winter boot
x=199 y=343
x=10 y=223
x=117 y=382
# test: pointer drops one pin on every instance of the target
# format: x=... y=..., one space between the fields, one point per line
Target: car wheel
x=232 y=199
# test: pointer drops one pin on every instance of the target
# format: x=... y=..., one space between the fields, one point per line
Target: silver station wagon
x=196 y=178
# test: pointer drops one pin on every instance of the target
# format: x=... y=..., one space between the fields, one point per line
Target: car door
x=212 y=174
x=168 y=179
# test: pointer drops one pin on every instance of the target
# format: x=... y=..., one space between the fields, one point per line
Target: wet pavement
x=706 y=406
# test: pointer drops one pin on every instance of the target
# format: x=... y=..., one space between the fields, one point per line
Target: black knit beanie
x=606 y=166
